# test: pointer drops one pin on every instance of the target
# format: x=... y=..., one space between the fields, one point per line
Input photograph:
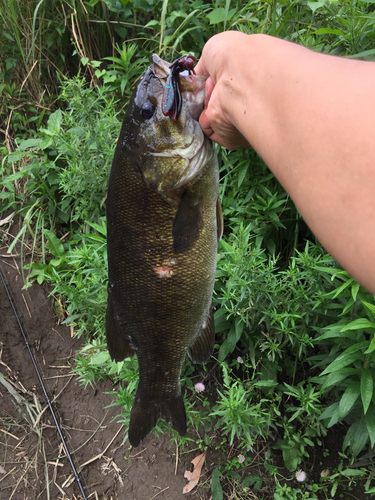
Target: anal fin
x=203 y=346
x=118 y=344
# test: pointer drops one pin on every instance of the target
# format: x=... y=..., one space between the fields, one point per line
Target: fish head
x=168 y=154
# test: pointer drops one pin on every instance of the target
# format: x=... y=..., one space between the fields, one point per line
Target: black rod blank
x=44 y=391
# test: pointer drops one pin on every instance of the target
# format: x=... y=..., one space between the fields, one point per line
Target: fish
x=164 y=221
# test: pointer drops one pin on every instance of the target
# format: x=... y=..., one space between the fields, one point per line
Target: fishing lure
x=172 y=101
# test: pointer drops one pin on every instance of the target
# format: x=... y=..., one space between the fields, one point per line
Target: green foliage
x=78 y=272
x=217 y=491
x=239 y=413
x=289 y=493
x=67 y=164
x=295 y=333
x=349 y=362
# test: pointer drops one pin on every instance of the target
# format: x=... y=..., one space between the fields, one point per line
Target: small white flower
x=300 y=475
x=239 y=360
x=241 y=458
x=199 y=387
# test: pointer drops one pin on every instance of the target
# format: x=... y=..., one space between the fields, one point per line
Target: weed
x=295 y=333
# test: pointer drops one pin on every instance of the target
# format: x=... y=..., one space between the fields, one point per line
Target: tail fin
x=145 y=414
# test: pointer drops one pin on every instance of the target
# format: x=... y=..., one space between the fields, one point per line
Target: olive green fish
x=164 y=220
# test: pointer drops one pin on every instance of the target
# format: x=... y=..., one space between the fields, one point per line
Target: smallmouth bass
x=164 y=220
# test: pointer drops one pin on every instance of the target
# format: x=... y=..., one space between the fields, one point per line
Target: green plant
x=78 y=273
x=239 y=416
x=288 y=492
x=122 y=71
x=348 y=365
x=68 y=164
x=295 y=334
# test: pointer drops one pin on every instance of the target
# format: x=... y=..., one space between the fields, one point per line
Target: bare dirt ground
x=32 y=460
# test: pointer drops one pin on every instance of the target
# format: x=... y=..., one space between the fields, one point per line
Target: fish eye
x=148 y=110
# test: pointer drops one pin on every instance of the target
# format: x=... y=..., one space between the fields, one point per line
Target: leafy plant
x=348 y=366
x=295 y=333
x=70 y=160
x=237 y=414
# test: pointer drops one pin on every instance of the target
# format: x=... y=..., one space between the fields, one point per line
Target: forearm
x=312 y=119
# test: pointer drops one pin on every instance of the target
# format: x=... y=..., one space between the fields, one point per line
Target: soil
x=33 y=463
x=33 y=454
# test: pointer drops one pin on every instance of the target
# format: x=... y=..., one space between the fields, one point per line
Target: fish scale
x=161 y=249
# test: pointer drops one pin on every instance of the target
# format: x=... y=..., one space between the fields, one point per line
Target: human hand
x=217 y=63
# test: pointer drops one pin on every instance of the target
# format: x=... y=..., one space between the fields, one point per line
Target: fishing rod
x=44 y=391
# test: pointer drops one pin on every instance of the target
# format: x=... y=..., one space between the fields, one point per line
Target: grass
x=302 y=327
x=24 y=460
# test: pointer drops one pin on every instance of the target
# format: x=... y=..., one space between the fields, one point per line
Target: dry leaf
x=193 y=477
x=325 y=473
x=7 y=219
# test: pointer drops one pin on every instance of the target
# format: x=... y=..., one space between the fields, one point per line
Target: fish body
x=163 y=220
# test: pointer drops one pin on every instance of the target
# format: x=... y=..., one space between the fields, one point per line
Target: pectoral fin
x=203 y=346
x=188 y=222
x=118 y=343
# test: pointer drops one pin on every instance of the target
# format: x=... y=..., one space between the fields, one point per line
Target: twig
x=85 y=430
x=29 y=73
x=7 y=219
x=61 y=490
x=120 y=22
x=59 y=334
x=27 y=307
x=15 y=263
x=20 y=479
x=46 y=471
x=7 y=384
x=161 y=491
x=53 y=400
x=133 y=456
x=10 y=265
x=175 y=471
x=7 y=474
x=70 y=479
x=9 y=434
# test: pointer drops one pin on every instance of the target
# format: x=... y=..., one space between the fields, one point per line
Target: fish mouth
x=176 y=158
x=192 y=86
x=160 y=67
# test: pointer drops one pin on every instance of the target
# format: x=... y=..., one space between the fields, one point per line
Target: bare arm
x=312 y=119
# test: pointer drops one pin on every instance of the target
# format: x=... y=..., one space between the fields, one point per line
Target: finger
x=200 y=68
x=208 y=91
x=205 y=124
x=209 y=131
x=230 y=139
